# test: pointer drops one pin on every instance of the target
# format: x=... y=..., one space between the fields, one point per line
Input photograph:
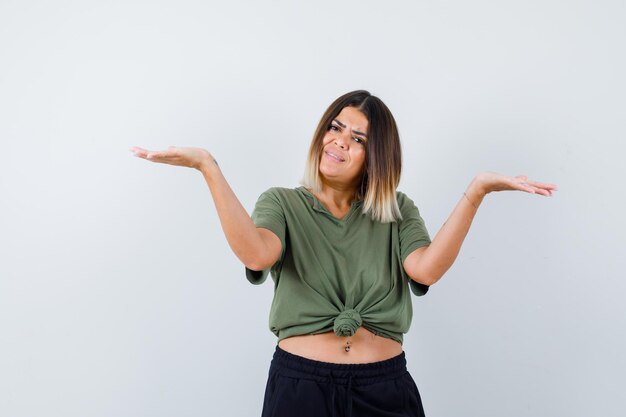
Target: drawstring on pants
x=348 y=406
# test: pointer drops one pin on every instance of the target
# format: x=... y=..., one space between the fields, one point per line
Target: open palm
x=187 y=157
x=491 y=181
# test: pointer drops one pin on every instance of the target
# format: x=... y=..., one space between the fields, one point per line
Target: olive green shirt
x=337 y=275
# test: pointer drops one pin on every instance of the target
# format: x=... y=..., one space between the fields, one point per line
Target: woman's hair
x=383 y=156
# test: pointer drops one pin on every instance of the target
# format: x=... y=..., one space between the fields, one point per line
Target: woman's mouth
x=334 y=156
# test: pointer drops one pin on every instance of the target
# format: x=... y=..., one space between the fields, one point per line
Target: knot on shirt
x=347 y=322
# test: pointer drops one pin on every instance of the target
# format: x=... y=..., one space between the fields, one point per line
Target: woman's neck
x=336 y=197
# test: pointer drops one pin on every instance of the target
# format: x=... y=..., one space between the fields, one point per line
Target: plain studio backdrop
x=119 y=295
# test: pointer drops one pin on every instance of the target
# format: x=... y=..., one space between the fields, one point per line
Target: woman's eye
x=357 y=139
x=333 y=128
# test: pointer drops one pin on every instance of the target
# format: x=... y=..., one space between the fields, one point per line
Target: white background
x=119 y=295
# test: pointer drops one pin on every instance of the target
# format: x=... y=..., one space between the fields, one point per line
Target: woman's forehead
x=353 y=118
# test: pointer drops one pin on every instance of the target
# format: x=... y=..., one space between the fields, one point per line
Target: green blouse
x=337 y=275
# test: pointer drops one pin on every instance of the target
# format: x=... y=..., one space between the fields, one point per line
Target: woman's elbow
x=258 y=262
x=255 y=264
x=425 y=279
x=265 y=254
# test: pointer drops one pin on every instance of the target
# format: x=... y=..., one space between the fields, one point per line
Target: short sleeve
x=413 y=235
x=268 y=213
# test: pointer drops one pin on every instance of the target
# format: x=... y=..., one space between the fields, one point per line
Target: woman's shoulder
x=403 y=198
x=406 y=204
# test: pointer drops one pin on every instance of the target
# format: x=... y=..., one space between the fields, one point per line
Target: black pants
x=301 y=387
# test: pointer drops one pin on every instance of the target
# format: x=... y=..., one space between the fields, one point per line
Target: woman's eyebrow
x=354 y=131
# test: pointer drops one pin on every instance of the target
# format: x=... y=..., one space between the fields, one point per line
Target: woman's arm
x=257 y=248
x=427 y=264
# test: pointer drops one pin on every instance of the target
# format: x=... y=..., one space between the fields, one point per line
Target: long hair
x=383 y=156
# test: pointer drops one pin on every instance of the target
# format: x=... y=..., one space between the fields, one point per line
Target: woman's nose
x=341 y=141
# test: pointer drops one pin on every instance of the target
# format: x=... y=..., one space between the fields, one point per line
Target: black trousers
x=301 y=387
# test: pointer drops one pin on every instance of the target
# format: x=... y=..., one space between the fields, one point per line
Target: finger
x=524 y=179
x=521 y=181
x=158 y=157
x=162 y=156
x=543 y=185
x=139 y=152
x=137 y=149
x=154 y=155
x=523 y=186
x=546 y=193
x=543 y=191
x=169 y=152
x=535 y=187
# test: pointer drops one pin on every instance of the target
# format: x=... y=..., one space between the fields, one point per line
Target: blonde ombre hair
x=383 y=156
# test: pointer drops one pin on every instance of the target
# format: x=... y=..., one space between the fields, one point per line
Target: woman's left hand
x=491 y=181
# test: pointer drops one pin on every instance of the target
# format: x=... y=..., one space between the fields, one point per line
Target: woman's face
x=343 y=148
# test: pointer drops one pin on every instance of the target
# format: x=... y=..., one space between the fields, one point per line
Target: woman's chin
x=330 y=177
x=330 y=173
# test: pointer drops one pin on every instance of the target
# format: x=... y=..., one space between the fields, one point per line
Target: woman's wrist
x=208 y=165
x=475 y=192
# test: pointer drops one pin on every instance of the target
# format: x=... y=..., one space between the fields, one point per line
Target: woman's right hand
x=185 y=157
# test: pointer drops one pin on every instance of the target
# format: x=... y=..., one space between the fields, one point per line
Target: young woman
x=345 y=251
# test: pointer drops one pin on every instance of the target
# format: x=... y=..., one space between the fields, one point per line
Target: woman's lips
x=335 y=157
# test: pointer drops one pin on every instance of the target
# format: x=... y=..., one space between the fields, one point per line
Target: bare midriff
x=362 y=347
